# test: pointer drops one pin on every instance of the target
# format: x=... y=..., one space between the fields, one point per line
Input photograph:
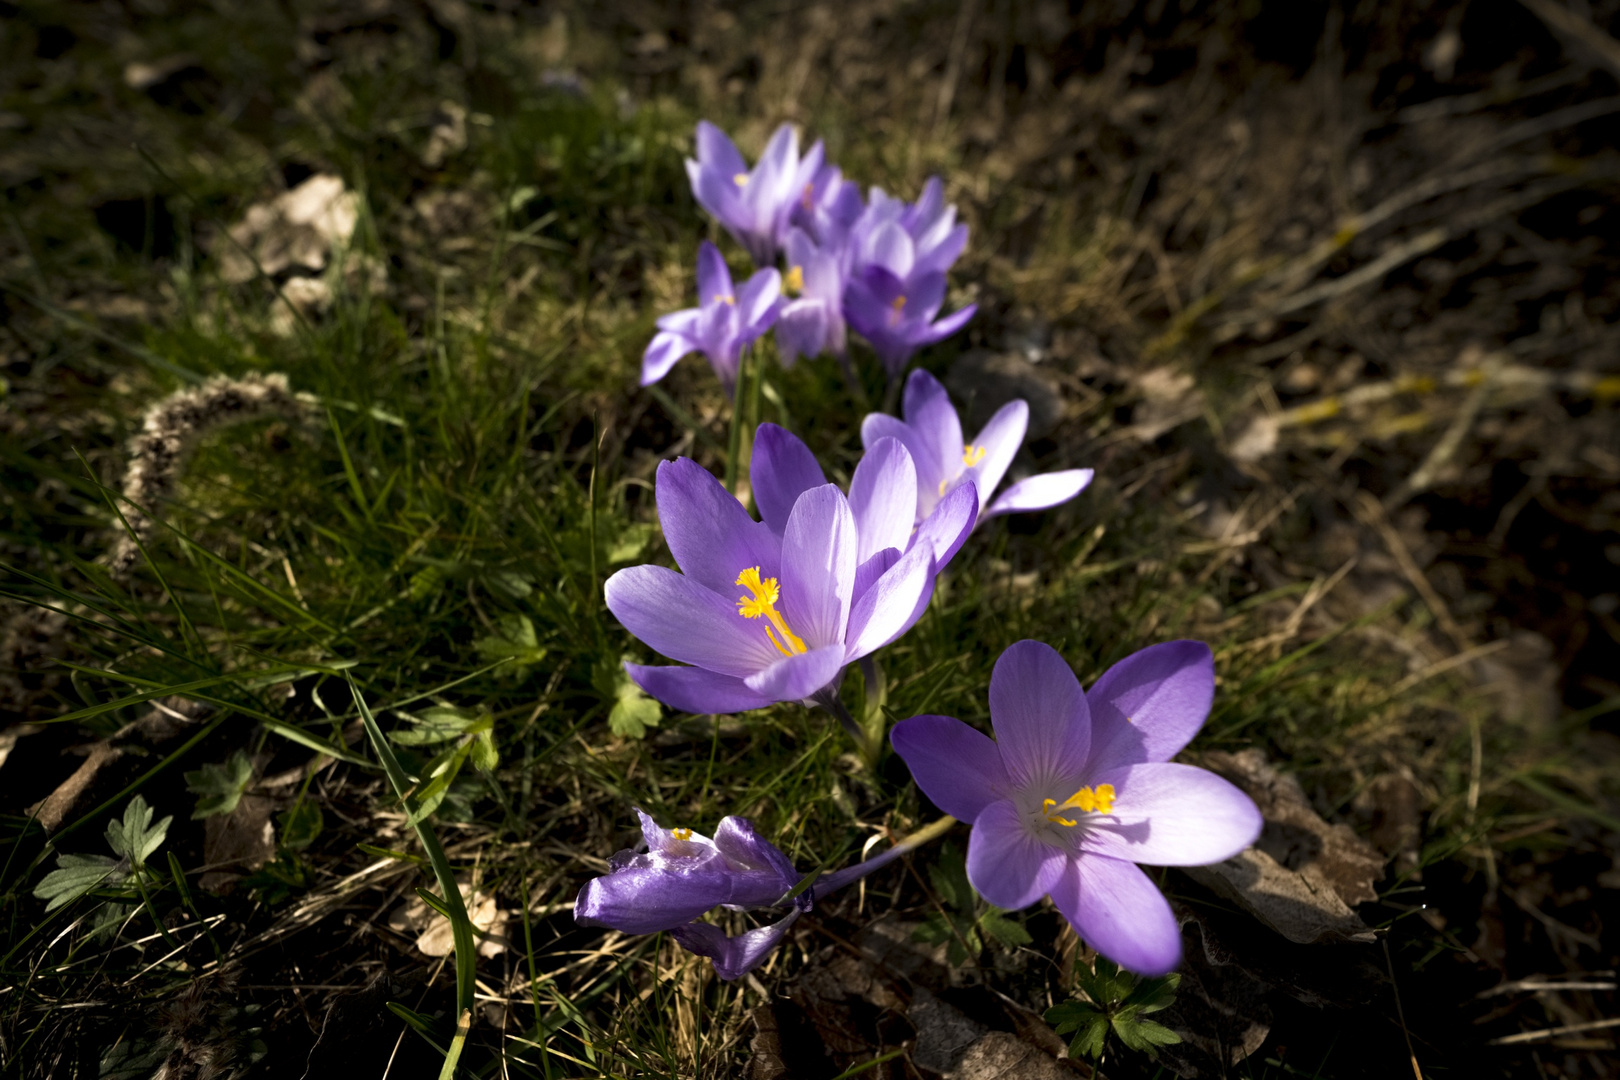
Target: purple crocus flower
x=1078 y=788
x=932 y=432
x=683 y=874
x=753 y=205
x=773 y=610
x=900 y=253
x=813 y=321
x=725 y=321
x=828 y=208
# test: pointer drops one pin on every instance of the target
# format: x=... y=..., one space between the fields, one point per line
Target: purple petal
x=954 y=765
x=892 y=605
x=947 y=528
x=645 y=900
x=1150 y=704
x=870 y=571
x=696 y=690
x=794 y=678
x=1040 y=492
x=713 y=278
x=757 y=301
x=733 y=957
x=949 y=325
x=782 y=468
x=819 y=556
x=944 y=252
x=696 y=851
x=1040 y=719
x=736 y=839
x=662 y=352
x=686 y=622
x=717 y=152
x=891 y=248
x=929 y=411
x=1006 y=864
x=883 y=497
x=1000 y=440
x=1119 y=912
x=1172 y=815
x=924 y=457
x=710 y=534
x=683 y=322
x=802 y=330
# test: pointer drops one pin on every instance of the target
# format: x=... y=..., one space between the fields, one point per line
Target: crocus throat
x=740 y=179
x=762 y=602
x=1087 y=800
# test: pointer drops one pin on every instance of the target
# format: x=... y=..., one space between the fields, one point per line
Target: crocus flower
x=900 y=253
x=932 y=432
x=827 y=209
x=684 y=874
x=773 y=610
x=1077 y=788
x=812 y=322
x=725 y=321
x=753 y=205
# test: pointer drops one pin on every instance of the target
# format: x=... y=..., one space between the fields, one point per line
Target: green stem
x=461 y=928
x=741 y=425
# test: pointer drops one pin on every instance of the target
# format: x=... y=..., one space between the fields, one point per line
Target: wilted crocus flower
x=900 y=253
x=932 y=432
x=1078 y=788
x=812 y=319
x=724 y=323
x=773 y=610
x=683 y=874
x=753 y=205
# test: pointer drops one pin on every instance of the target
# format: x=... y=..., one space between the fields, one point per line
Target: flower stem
x=927 y=834
x=869 y=748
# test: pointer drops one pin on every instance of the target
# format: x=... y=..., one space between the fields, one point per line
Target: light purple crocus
x=773 y=610
x=725 y=322
x=932 y=432
x=1077 y=788
x=900 y=252
x=684 y=874
x=754 y=205
x=812 y=321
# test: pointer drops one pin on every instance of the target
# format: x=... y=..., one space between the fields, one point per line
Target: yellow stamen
x=898 y=303
x=740 y=179
x=942 y=486
x=972 y=455
x=681 y=834
x=724 y=298
x=763 y=603
x=793 y=281
x=809 y=194
x=1087 y=800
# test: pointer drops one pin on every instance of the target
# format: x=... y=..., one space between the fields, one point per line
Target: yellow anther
x=762 y=602
x=793 y=281
x=681 y=834
x=740 y=179
x=942 y=485
x=1087 y=800
x=898 y=303
x=808 y=196
x=972 y=455
x=724 y=298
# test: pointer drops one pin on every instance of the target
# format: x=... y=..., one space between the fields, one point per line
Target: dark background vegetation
x=1326 y=293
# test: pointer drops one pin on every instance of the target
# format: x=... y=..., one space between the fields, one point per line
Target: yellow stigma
x=681 y=834
x=762 y=602
x=943 y=484
x=724 y=298
x=793 y=281
x=1087 y=800
x=972 y=455
x=740 y=179
x=898 y=303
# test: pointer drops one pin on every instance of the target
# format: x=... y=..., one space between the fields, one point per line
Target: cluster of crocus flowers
x=876 y=265
x=683 y=875
x=774 y=610
x=1078 y=788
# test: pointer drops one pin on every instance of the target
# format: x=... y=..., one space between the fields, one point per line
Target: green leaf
x=1145 y=1036
x=437 y=724
x=483 y=753
x=949 y=876
x=220 y=787
x=1151 y=995
x=77 y=875
x=633 y=711
x=1089 y=1026
x=136 y=837
x=631 y=542
x=1005 y=931
x=515 y=641
x=300 y=825
x=512 y=584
